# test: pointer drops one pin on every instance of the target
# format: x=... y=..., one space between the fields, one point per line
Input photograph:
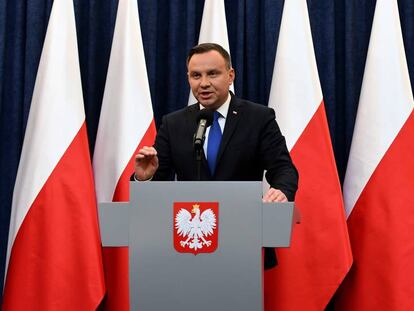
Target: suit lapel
x=233 y=117
x=191 y=118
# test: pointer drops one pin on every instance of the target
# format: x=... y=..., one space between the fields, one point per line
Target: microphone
x=204 y=120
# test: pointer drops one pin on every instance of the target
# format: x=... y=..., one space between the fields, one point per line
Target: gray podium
x=230 y=278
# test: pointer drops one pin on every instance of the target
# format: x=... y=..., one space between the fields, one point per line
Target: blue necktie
x=214 y=139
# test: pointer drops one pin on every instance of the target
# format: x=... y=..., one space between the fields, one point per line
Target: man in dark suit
x=247 y=140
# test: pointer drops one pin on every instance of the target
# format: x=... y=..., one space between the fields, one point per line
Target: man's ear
x=232 y=75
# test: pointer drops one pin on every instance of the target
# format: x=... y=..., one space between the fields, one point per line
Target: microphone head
x=206 y=114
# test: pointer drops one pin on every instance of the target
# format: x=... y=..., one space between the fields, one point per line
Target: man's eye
x=212 y=74
x=196 y=75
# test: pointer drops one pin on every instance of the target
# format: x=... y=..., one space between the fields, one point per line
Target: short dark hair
x=207 y=47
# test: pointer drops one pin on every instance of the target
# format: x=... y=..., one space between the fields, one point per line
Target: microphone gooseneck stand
x=199 y=153
x=204 y=119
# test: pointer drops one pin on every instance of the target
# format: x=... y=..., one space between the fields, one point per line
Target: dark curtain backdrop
x=340 y=29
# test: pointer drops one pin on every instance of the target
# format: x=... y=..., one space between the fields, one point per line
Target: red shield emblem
x=195 y=227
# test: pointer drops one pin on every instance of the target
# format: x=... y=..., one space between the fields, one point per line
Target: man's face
x=209 y=78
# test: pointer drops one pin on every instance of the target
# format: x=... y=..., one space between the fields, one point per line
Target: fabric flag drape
x=54 y=257
x=126 y=124
x=310 y=271
x=213 y=29
x=380 y=177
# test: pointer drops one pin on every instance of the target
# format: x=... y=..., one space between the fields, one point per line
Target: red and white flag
x=310 y=271
x=126 y=124
x=54 y=257
x=379 y=181
x=213 y=30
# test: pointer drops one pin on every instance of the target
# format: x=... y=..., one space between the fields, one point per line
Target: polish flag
x=213 y=30
x=379 y=181
x=54 y=257
x=126 y=124
x=310 y=271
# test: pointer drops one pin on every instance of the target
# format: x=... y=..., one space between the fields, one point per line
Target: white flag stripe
x=297 y=80
x=55 y=104
x=213 y=24
x=385 y=103
x=126 y=109
x=213 y=29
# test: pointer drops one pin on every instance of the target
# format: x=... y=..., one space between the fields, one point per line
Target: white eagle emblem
x=197 y=229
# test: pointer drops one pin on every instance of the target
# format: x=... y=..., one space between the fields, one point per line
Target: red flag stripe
x=320 y=243
x=58 y=242
x=381 y=238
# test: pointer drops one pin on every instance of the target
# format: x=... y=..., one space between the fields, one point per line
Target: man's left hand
x=274 y=195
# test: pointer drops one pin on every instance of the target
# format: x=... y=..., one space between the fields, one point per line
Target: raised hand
x=146 y=163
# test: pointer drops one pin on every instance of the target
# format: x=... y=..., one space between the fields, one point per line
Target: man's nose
x=205 y=81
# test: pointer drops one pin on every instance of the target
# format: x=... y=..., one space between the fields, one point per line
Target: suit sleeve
x=281 y=173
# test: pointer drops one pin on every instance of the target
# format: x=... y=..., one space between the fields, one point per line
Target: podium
x=165 y=278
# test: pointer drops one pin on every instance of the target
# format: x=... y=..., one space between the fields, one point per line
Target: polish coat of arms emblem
x=195 y=227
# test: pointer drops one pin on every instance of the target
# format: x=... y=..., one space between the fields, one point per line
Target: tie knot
x=217 y=115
